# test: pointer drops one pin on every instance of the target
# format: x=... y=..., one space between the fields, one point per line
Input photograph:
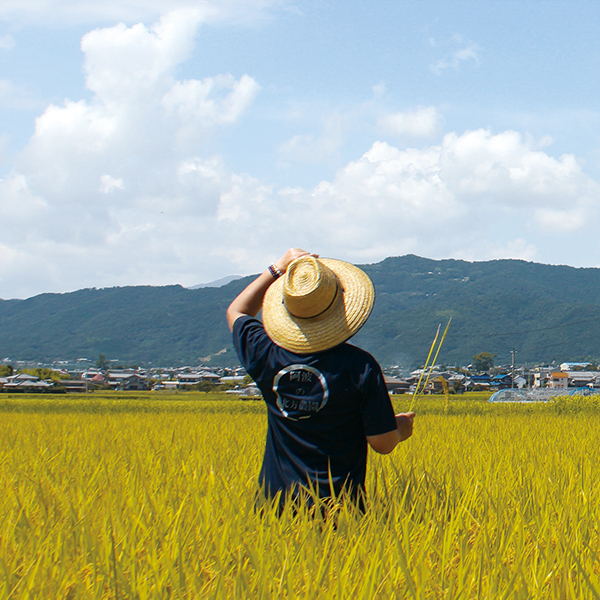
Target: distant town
x=87 y=376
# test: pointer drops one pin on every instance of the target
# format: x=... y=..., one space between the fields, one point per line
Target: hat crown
x=331 y=300
x=310 y=288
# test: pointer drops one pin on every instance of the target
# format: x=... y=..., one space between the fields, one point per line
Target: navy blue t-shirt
x=320 y=406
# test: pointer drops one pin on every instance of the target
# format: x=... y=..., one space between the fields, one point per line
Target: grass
x=129 y=496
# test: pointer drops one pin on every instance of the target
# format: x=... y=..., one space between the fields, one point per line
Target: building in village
x=26 y=382
x=87 y=378
x=566 y=379
x=193 y=378
x=558 y=380
x=395 y=385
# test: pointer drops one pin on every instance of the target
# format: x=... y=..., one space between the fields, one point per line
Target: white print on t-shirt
x=301 y=391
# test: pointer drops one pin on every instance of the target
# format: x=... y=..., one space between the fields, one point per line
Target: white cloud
x=118 y=176
x=507 y=171
x=109 y=184
x=120 y=189
x=476 y=195
x=460 y=50
x=200 y=100
x=553 y=220
x=423 y=122
x=139 y=117
x=128 y=63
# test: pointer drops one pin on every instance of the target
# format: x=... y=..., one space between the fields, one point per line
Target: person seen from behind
x=327 y=401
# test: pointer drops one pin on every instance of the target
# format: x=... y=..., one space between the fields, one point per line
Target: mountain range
x=544 y=312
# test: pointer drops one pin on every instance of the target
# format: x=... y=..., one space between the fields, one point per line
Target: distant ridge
x=545 y=312
x=218 y=283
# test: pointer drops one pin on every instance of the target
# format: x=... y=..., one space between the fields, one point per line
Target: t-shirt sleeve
x=251 y=344
x=377 y=410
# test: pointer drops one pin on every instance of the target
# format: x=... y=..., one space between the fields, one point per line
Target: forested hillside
x=545 y=312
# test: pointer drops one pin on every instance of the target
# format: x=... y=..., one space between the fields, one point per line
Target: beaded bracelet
x=275 y=272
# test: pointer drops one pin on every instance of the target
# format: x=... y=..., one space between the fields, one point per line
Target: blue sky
x=179 y=141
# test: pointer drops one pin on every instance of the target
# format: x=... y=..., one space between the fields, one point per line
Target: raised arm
x=249 y=301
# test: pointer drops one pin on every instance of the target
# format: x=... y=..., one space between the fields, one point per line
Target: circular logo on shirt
x=301 y=391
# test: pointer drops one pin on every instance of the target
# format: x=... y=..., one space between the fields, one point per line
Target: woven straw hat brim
x=337 y=324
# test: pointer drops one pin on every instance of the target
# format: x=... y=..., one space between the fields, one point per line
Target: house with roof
x=395 y=385
x=501 y=381
x=566 y=379
x=124 y=381
x=541 y=376
x=478 y=383
x=76 y=386
x=454 y=381
x=92 y=373
x=520 y=382
x=580 y=379
x=25 y=382
x=558 y=380
x=184 y=379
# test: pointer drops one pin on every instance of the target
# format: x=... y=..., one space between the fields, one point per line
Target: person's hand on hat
x=249 y=301
x=290 y=256
x=404 y=423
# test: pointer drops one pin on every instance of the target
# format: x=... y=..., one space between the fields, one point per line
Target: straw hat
x=317 y=304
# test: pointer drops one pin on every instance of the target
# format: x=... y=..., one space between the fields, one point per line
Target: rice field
x=125 y=496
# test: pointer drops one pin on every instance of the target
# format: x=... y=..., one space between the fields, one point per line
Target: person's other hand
x=404 y=423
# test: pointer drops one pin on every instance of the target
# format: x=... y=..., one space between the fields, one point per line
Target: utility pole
x=512 y=373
